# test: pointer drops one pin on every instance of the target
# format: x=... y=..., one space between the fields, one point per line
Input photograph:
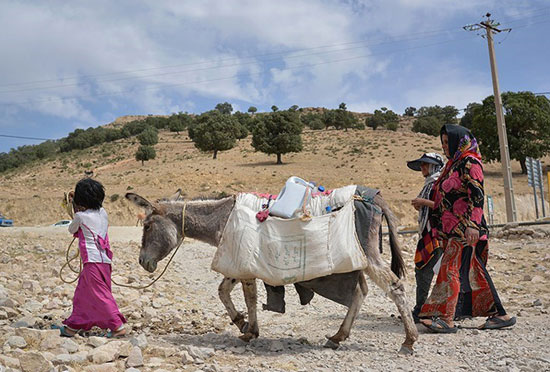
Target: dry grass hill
x=32 y=195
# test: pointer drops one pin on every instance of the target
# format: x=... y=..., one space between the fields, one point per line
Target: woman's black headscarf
x=460 y=139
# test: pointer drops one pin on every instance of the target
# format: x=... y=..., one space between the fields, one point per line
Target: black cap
x=430 y=158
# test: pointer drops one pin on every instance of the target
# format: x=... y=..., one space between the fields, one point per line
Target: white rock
x=106 y=367
x=8 y=361
x=33 y=336
x=96 y=341
x=69 y=345
x=186 y=357
x=135 y=359
x=140 y=341
x=34 y=362
x=17 y=342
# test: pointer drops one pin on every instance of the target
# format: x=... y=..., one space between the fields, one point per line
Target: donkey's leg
x=343 y=333
x=251 y=300
x=394 y=288
x=224 y=292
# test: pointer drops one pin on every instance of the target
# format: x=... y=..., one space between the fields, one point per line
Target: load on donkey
x=246 y=250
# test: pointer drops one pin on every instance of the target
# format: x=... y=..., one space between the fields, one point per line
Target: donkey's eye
x=147 y=227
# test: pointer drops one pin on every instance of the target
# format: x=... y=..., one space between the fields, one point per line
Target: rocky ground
x=179 y=324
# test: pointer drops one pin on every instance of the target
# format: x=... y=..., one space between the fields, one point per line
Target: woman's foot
x=439 y=325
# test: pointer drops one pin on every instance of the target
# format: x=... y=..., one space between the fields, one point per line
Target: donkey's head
x=160 y=232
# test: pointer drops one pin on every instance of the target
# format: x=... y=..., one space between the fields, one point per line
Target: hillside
x=32 y=195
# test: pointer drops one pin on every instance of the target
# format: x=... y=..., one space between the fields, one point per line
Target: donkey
x=167 y=221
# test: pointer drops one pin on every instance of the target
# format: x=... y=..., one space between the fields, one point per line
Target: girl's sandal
x=63 y=330
x=121 y=333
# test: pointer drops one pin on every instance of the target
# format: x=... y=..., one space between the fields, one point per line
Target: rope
x=77 y=255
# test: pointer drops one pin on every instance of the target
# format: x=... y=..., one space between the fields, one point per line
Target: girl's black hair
x=89 y=194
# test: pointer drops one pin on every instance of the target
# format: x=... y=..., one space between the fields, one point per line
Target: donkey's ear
x=175 y=196
x=139 y=201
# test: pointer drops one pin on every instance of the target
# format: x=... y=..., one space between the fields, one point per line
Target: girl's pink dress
x=93 y=302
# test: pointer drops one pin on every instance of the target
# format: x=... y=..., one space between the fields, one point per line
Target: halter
x=77 y=255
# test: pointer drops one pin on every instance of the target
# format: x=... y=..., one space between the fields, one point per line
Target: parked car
x=62 y=223
x=5 y=222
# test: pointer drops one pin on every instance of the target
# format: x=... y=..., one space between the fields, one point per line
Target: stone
x=140 y=341
x=102 y=356
x=34 y=362
x=51 y=341
x=136 y=370
x=276 y=346
x=105 y=367
x=69 y=345
x=7 y=302
x=186 y=358
x=96 y=341
x=17 y=342
x=135 y=359
x=32 y=336
x=537 y=279
x=537 y=302
x=8 y=361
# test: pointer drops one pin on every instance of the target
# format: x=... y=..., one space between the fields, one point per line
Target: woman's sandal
x=443 y=326
x=498 y=323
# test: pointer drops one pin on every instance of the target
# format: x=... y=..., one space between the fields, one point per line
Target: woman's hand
x=472 y=236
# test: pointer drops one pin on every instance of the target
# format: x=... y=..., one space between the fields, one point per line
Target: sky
x=79 y=64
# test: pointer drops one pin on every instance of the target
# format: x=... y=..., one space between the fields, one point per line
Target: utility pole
x=490 y=26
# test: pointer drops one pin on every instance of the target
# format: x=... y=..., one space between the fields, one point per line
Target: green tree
x=468 y=117
x=430 y=125
x=293 y=108
x=145 y=153
x=527 y=126
x=274 y=108
x=278 y=132
x=410 y=111
x=224 y=108
x=383 y=117
x=149 y=137
x=313 y=121
x=214 y=131
x=430 y=119
x=252 y=110
x=246 y=123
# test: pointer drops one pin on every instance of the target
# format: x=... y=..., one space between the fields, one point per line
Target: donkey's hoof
x=331 y=344
x=406 y=350
x=248 y=336
x=244 y=327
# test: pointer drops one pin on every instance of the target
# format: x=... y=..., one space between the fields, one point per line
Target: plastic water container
x=291 y=198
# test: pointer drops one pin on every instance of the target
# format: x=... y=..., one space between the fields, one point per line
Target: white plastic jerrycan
x=291 y=197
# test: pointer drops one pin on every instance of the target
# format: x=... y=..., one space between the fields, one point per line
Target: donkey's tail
x=397 y=263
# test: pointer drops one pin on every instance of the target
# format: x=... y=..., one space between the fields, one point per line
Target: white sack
x=281 y=251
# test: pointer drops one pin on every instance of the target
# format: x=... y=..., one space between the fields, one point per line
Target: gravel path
x=180 y=324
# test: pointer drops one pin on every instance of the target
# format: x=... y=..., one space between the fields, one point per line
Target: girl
x=427 y=250
x=93 y=302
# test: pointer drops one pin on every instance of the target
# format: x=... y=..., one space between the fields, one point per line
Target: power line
x=456 y=29
x=247 y=74
x=29 y=138
x=252 y=62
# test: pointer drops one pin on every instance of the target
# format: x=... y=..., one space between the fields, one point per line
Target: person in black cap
x=427 y=249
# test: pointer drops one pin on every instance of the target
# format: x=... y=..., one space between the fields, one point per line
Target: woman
x=463 y=286
x=427 y=250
